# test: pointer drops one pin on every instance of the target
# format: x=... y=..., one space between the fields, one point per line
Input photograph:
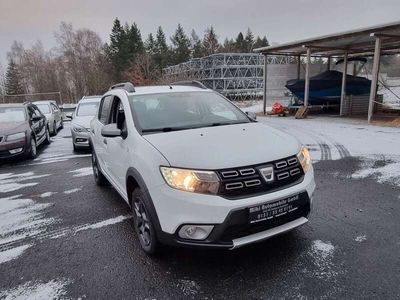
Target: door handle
x=105 y=141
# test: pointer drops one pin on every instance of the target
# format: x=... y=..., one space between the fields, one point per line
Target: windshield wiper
x=165 y=129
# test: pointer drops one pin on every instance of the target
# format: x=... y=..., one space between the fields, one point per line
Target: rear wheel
x=98 y=175
x=47 y=139
x=54 y=128
x=143 y=223
x=62 y=124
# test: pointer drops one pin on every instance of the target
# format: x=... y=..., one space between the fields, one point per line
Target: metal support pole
x=328 y=65
x=374 y=82
x=343 y=93
x=265 y=85
x=307 y=78
x=298 y=66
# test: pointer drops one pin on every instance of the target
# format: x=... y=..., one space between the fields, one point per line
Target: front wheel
x=143 y=223
x=33 y=149
x=47 y=139
x=99 y=178
x=54 y=129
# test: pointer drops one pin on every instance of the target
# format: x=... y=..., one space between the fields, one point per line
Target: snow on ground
x=12 y=253
x=82 y=172
x=360 y=238
x=188 y=287
x=47 y=194
x=322 y=254
x=104 y=223
x=10 y=182
x=54 y=289
x=21 y=217
x=335 y=138
x=72 y=191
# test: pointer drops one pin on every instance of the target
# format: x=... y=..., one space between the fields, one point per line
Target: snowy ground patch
x=12 y=253
x=361 y=238
x=54 y=289
x=82 y=172
x=47 y=194
x=104 y=223
x=21 y=217
x=72 y=191
x=10 y=182
x=322 y=254
x=384 y=169
x=188 y=287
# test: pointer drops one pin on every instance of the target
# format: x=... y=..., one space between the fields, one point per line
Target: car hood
x=83 y=121
x=12 y=127
x=224 y=146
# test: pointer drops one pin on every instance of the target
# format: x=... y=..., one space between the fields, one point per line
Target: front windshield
x=183 y=110
x=87 y=109
x=12 y=114
x=44 y=108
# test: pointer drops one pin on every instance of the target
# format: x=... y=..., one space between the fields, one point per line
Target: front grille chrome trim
x=283 y=175
x=234 y=186
x=281 y=164
x=251 y=183
x=230 y=174
x=249 y=171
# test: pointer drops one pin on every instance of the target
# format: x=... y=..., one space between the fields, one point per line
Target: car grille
x=249 y=180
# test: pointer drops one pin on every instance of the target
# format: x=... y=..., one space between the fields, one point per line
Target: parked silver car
x=53 y=114
x=80 y=125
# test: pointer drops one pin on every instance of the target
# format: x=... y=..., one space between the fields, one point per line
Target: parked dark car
x=22 y=129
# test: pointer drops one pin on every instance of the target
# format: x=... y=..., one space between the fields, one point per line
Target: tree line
x=82 y=64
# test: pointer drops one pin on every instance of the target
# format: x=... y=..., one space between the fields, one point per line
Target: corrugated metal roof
x=360 y=41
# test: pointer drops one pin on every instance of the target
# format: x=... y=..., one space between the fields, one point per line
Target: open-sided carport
x=371 y=41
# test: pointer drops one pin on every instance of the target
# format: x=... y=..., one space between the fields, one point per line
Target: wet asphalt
x=350 y=249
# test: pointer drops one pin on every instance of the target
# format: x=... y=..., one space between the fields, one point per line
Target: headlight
x=16 y=136
x=78 y=128
x=206 y=182
x=304 y=159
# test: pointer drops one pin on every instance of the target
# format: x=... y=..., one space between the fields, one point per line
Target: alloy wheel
x=142 y=222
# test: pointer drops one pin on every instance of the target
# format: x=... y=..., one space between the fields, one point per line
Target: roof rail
x=127 y=86
x=194 y=83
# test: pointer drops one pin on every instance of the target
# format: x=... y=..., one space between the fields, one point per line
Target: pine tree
x=249 y=40
x=162 y=55
x=117 y=49
x=181 y=46
x=14 y=84
x=196 y=45
x=260 y=42
x=135 y=42
x=229 y=46
x=150 y=44
x=210 y=41
x=240 y=43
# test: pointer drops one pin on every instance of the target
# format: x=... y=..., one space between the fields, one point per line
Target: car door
x=38 y=125
x=98 y=141
x=117 y=147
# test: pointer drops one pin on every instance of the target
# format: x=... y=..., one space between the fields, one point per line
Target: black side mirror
x=111 y=130
x=251 y=115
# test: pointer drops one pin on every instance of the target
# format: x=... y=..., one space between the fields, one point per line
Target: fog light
x=80 y=140
x=195 y=232
x=16 y=150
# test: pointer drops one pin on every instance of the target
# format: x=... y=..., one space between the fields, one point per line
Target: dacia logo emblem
x=268 y=174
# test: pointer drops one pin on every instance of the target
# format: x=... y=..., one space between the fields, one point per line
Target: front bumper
x=229 y=217
x=5 y=148
x=80 y=139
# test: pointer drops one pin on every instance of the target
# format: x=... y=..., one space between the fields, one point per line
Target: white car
x=53 y=114
x=80 y=124
x=196 y=170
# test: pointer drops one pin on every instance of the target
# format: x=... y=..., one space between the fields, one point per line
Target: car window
x=87 y=109
x=169 y=111
x=44 y=108
x=117 y=115
x=104 y=111
x=12 y=114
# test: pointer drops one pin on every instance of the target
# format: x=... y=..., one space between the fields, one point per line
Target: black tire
x=99 y=178
x=54 y=129
x=32 y=149
x=143 y=223
x=47 y=140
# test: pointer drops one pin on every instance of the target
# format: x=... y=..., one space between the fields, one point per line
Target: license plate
x=274 y=209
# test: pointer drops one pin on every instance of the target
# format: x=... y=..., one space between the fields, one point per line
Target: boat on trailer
x=326 y=87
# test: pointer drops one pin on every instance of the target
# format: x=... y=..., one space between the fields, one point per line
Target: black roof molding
x=193 y=83
x=127 y=86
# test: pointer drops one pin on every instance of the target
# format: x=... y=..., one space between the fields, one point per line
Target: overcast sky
x=280 y=20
